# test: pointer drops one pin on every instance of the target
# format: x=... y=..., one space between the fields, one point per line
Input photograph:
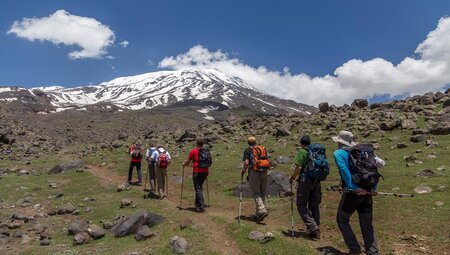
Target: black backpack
x=363 y=166
x=204 y=158
x=317 y=167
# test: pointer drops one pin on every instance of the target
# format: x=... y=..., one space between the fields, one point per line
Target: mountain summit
x=159 y=89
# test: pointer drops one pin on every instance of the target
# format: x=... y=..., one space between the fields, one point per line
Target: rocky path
x=216 y=232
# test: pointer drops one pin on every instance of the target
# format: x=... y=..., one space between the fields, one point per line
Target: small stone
x=425 y=173
x=107 y=225
x=441 y=188
x=255 y=235
x=186 y=223
x=95 y=231
x=45 y=242
x=442 y=168
x=269 y=236
x=59 y=194
x=178 y=244
x=77 y=226
x=439 y=203
x=39 y=228
x=81 y=238
x=401 y=146
x=66 y=209
x=125 y=202
x=14 y=224
x=143 y=233
x=410 y=158
x=422 y=190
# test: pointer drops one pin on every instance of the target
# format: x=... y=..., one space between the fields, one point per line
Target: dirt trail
x=216 y=232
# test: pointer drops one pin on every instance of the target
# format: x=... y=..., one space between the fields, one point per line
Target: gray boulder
x=277 y=185
x=143 y=233
x=255 y=235
x=446 y=103
x=66 y=167
x=360 y=103
x=418 y=138
x=131 y=224
x=178 y=244
x=82 y=238
x=77 y=226
x=66 y=209
x=324 y=107
x=95 y=231
x=187 y=136
x=440 y=128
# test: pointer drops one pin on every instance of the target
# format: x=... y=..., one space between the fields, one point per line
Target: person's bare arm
x=245 y=167
x=296 y=173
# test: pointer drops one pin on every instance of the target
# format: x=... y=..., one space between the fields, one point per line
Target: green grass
x=392 y=216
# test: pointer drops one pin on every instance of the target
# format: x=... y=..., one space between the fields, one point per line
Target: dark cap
x=305 y=140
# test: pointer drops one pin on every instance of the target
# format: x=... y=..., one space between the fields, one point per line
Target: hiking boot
x=315 y=235
x=139 y=184
x=354 y=252
x=261 y=216
x=199 y=209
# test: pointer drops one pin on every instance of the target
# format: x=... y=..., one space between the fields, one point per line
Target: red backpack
x=163 y=160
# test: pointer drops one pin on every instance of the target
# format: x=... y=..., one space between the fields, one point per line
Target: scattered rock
x=431 y=143
x=441 y=128
x=66 y=209
x=45 y=242
x=125 y=202
x=422 y=190
x=439 y=203
x=95 y=231
x=82 y=238
x=425 y=173
x=77 y=226
x=14 y=224
x=255 y=235
x=360 y=103
x=130 y=225
x=324 y=107
x=401 y=146
x=179 y=245
x=418 y=138
x=66 y=167
x=107 y=225
x=269 y=236
x=186 y=223
x=143 y=233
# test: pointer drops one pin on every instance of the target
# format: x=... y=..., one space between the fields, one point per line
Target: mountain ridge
x=156 y=89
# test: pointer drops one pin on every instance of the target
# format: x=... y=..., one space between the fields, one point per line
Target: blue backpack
x=317 y=167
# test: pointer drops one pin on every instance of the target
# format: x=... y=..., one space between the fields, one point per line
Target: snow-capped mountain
x=156 y=89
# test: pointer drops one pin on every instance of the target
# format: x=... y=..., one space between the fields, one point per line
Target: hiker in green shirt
x=308 y=191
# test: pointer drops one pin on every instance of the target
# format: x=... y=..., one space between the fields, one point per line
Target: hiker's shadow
x=330 y=250
x=295 y=234
x=191 y=209
x=251 y=218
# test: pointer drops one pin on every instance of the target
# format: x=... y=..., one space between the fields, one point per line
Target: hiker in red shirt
x=136 y=157
x=201 y=161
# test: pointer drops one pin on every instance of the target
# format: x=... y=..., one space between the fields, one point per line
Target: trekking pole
x=292 y=212
x=240 y=199
x=146 y=178
x=182 y=184
x=207 y=191
x=337 y=188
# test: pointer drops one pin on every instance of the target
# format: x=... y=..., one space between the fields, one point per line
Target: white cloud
x=428 y=71
x=64 y=28
x=124 y=44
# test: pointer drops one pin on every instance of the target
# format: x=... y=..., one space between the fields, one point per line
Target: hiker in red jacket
x=201 y=161
x=136 y=154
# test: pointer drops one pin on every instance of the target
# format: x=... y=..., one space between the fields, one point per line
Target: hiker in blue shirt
x=355 y=199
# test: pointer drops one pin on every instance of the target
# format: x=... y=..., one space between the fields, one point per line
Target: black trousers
x=199 y=179
x=138 y=168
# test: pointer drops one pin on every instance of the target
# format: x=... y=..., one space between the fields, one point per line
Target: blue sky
x=307 y=37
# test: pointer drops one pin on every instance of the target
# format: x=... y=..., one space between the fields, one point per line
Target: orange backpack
x=260 y=158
